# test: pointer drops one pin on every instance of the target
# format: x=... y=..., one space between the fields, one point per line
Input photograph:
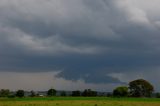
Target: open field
x=79 y=101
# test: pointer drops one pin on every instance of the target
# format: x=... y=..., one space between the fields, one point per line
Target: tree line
x=136 y=88
x=49 y=93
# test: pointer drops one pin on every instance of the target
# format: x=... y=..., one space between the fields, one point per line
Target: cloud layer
x=81 y=39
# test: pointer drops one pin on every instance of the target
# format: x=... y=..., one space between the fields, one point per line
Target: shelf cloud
x=89 y=40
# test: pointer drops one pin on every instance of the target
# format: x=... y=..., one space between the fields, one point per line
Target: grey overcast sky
x=78 y=44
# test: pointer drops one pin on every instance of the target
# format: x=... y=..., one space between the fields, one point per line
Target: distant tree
x=140 y=88
x=63 y=93
x=89 y=93
x=4 y=93
x=51 y=92
x=158 y=95
x=11 y=96
x=20 y=93
x=86 y=92
x=120 y=91
x=109 y=95
x=33 y=94
x=76 y=93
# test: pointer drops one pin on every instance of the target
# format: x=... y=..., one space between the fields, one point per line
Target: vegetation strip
x=81 y=98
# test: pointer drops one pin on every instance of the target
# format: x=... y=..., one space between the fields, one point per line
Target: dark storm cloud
x=83 y=39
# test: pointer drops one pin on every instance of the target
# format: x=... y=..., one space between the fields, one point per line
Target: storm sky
x=78 y=44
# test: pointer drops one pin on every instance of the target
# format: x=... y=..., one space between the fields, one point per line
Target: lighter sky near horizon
x=78 y=44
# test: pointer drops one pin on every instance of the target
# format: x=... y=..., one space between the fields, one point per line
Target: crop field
x=79 y=101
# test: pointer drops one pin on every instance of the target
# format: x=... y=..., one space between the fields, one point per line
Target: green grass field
x=79 y=101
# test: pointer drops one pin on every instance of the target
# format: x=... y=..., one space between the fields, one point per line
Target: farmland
x=79 y=101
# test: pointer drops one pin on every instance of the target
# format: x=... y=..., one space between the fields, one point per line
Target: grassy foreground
x=79 y=101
